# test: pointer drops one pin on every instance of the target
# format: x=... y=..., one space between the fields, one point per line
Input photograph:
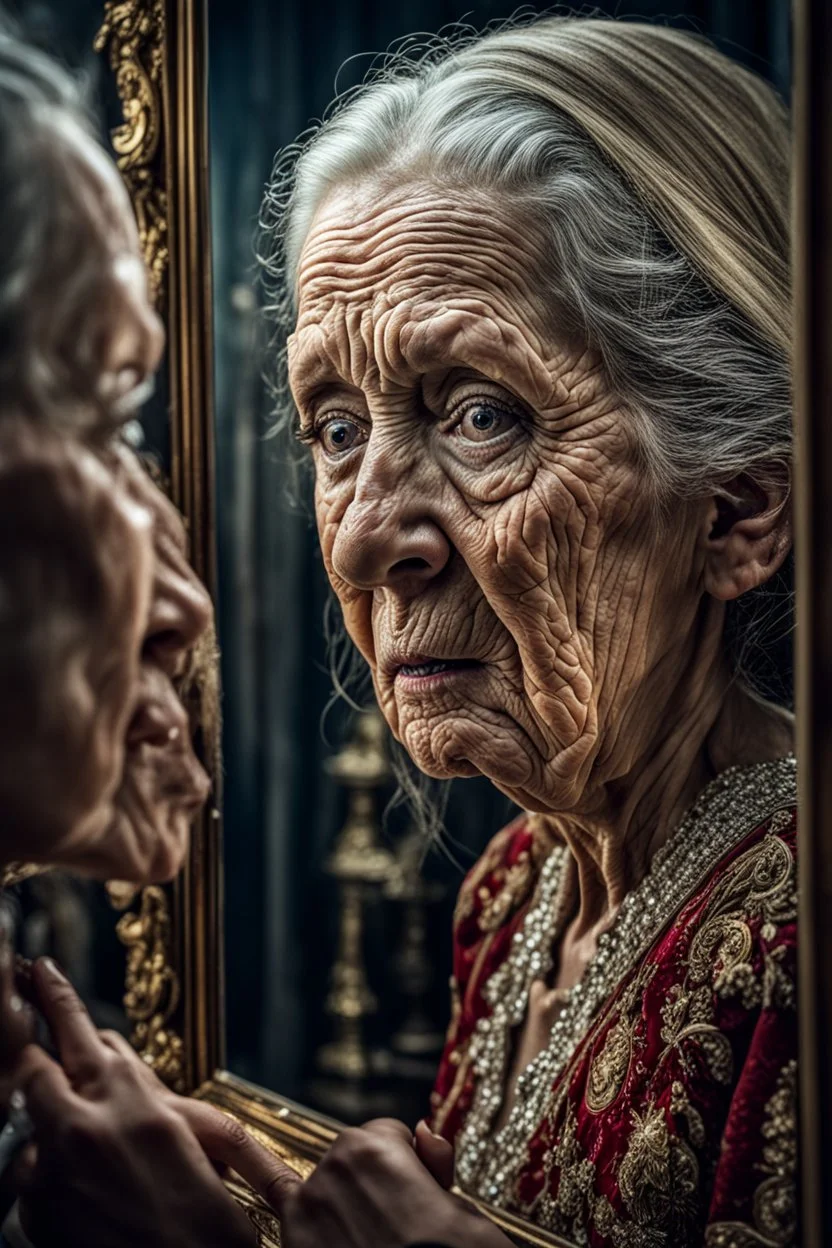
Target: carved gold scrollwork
x=152 y=985
x=134 y=33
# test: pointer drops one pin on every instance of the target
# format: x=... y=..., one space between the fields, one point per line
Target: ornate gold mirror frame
x=157 y=50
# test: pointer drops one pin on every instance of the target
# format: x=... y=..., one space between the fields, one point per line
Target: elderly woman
x=539 y=296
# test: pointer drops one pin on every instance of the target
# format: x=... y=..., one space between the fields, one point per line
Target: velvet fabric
x=674 y=1120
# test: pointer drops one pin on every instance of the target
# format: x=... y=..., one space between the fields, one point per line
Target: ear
x=748 y=533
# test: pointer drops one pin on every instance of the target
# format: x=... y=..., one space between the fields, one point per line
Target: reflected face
x=482 y=514
x=163 y=784
x=111 y=611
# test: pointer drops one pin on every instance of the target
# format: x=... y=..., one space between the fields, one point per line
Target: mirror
x=86 y=927
x=336 y=928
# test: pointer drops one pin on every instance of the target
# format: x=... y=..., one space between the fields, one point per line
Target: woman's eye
x=340 y=435
x=484 y=422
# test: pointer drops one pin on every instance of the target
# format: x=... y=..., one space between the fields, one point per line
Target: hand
x=371 y=1188
x=113 y=1162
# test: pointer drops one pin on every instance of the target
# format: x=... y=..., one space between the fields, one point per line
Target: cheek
x=552 y=563
x=331 y=503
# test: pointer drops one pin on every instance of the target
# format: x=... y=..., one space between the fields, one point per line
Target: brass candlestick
x=359 y=862
x=417 y=1036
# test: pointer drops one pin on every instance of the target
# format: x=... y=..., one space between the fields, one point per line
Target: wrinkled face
x=110 y=609
x=482 y=513
x=163 y=785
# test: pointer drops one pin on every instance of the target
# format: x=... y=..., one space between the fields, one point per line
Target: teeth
x=423 y=669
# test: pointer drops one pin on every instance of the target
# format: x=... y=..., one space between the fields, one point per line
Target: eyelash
x=310 y=434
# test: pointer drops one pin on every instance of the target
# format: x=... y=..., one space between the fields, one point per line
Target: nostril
x=411 y=565
x=166 y=648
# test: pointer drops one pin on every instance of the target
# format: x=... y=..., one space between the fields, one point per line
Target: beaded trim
x=727 y=809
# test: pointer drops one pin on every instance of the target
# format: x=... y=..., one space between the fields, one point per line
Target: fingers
x=66 y=1015
x=16 y=1018
x=45 y=1087
x=391 y=1129
x=225 y=1140
x=435 y=1153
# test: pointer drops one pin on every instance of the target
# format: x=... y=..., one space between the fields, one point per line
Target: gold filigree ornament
x=611 y=1062
x=134 y=33
x=774 y=1208
x=152 y=986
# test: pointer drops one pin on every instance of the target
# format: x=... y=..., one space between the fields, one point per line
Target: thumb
x=225 y=1140
x=435 y=1153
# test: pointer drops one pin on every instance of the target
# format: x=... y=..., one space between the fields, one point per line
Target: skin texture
x=96 y=1116
x=479 y=497
x=76 y=585
x=100 y=619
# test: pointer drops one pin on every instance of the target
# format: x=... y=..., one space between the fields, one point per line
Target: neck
x=709 y=722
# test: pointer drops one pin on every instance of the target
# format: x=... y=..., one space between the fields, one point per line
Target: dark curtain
x=273 y=65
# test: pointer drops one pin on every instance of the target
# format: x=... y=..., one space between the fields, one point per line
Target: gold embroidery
x=658 y=1181
x=774 y=1207
x=681 y=1107
x=609 y=1066
x=511 y=884
x=759 y=884
x=489 y=1162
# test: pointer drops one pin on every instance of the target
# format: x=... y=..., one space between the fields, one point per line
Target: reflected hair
x=52 y=255
x=655 y=173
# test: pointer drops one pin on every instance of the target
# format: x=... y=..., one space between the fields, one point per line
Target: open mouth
x=432 y=669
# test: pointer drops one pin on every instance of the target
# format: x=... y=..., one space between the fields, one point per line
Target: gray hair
x=666 y=242
x=51 y=256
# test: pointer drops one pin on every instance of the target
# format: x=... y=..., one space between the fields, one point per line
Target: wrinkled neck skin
x=709 y=722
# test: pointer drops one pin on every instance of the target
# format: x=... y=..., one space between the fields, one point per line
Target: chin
x=489 y=744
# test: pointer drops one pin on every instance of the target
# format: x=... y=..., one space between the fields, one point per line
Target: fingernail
x=15 y=1003
x=52 y=971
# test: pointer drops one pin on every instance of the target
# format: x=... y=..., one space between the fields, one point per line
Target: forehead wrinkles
x=365 y=277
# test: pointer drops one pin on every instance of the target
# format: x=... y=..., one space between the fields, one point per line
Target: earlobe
x=749 y=535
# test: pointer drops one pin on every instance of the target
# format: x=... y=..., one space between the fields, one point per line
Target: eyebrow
x=432 y=356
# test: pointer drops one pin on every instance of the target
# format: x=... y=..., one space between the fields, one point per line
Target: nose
x=180 y=612
x=371 y=552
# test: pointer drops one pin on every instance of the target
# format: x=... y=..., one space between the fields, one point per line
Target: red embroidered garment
x=666 y=1117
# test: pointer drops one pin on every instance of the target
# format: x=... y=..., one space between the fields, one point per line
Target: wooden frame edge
x=198 y=905
x=812 y=260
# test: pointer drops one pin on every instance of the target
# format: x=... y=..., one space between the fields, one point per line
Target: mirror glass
x=338 y=909
x=73 y=920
